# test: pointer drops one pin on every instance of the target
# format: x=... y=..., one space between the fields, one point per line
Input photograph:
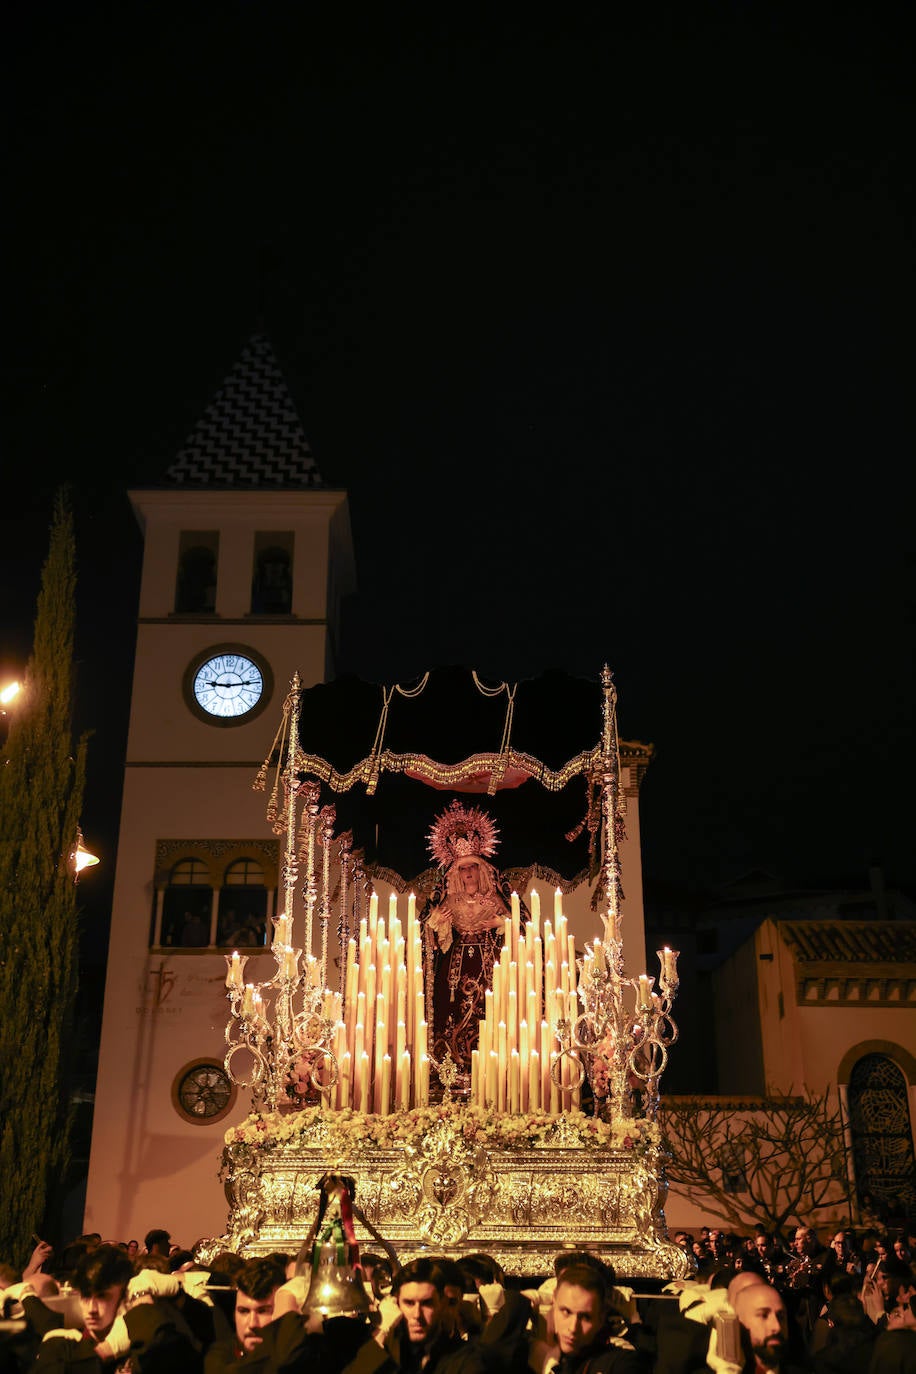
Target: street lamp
x=81 y=857
x=8 y=694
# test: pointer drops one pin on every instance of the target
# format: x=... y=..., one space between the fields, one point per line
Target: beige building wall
x=186 y=779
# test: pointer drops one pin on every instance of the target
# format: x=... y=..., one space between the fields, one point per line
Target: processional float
x=550 y=1141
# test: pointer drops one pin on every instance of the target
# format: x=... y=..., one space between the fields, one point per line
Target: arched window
x=242 y=920
x=882 y=1141
x=186 y=905
x=196 y=588
x=272 y=585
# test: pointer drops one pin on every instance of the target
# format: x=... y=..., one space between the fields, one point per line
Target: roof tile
x=250 y=434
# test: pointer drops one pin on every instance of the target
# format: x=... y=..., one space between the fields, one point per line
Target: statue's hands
x=440 y=923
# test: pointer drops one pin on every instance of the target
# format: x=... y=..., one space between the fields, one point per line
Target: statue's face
x=469 y=877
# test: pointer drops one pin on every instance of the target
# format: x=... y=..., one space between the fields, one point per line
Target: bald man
x=765 y=1327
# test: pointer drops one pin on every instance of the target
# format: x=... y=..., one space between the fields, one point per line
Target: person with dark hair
x=256 y=1284
x=422 y=1334
x=895 y=1347
x=834 y=1285
x=881 y=1289
x=378 y=1273
x=158 y=1242
x=421 y=1337
x=463 y=1316
x=100 y=1278
x=583 y=1320
x=850 y=1339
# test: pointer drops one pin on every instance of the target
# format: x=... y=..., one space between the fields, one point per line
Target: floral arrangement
x=342 y=1131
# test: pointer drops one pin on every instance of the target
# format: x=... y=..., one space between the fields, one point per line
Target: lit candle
x=411 y=907
x=521 y=983
x=248 y=1005
x=534 y=1083
x=524 y=1060
x=645 y=992
x=502 y=1082
x=404 y=1099
x=291 y=964
x=545 y=1065
x=381 y=1049
x=668 y=960
x=345 y=1070
x=571 y=959
x=418 y=1070
x=475 y=1074
x=557 y=904
x=385 y=1095
x=359 y=1030
x=497 y=995
x=600 y=964
x=492 y=1080
x=234 y=971
x=514 y=1097
x=400 y=999
x=364 y=1104
x=539 y=971
x=370 y=1005
x=516 y=923
x=400 y=1046
x=535 y=908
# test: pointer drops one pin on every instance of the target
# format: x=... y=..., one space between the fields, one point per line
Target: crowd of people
x=846 y=1305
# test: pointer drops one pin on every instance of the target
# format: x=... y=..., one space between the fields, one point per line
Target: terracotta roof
x=851 y=942
x=250 y=434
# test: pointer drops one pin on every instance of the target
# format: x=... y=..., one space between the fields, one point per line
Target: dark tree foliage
x=41 y=792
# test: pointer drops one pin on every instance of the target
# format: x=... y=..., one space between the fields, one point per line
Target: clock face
x=228 y=685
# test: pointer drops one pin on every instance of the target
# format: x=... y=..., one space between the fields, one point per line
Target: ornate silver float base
x=520 y=1205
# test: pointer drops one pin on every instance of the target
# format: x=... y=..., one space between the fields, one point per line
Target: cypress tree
x=42 y=777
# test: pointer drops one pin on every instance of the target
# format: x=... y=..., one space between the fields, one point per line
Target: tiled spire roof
x=250 y=435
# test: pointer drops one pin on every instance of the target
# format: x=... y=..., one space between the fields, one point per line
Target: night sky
x=604 y=321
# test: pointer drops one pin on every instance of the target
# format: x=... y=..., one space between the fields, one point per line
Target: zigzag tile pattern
x=250 y=435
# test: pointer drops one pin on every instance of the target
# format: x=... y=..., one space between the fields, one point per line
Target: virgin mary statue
x=464 y=926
